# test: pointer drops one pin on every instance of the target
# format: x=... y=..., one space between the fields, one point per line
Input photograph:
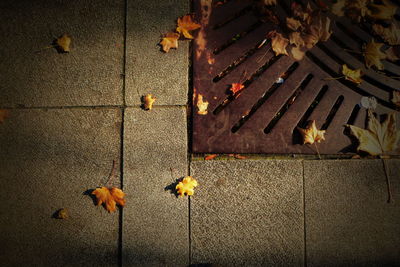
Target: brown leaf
x=352 y=75
x=373 y=55
x=357 y=9
x=338 y=8
x=148 y=101
x=382 y=12
x=202 y=105
x=293 y=24
x=61 y=214
x=296 y=39
x=109 y=197
x=63 y=43
x=378 y=138
x=186 y=186
x=3 y=115
x=278 y=43
x=311 y=134
x=319 y=30
x=170 y=40
x=396 y=98
x=238 y=156
x=390 y=34
x=393 y=53
x=186 y=24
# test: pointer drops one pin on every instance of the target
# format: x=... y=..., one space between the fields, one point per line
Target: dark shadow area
x=89 y=192
x=172 y=187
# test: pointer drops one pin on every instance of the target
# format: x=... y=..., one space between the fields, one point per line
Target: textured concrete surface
x=148 y=70
x=348 y=222
x=247 y=213
x=155 y=223
x=48 y=159
x=89 y=75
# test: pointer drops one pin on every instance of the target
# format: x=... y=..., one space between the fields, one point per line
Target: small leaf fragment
x=311 y=134
x=62 y=214
x=186 y=186
x=3 y=115
x=186 y=24
x=386 y=11
x=109 y=197
x=170 y=40
x=148 y=101
x=396 y=98
x=63 y=43
x=202 y=105
x=236 y=88
x=352 y=75
x=210 y=157
x=293 y=24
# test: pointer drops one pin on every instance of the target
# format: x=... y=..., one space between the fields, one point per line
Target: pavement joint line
x=90 y=107
x=304 y=216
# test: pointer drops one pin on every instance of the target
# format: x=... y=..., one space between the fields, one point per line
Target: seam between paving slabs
x=304 y=218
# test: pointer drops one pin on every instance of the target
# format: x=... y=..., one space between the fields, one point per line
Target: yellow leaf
x=62 y=214
x=296 y=39
x=298 y=53
x=293 y=24
x=352 y=75
x=390 y=34
x=378 y=138
x=278 y=43
x=148 y=101
x=186 y=186
x=338 y=8
x=186 y=24
x=311 y=134
x=170 y=40
x=109 y=197
x=202 y=105
x=270 y=2
x=319 y=30
x=63 y=43
x=373 y=55
x=382 y=12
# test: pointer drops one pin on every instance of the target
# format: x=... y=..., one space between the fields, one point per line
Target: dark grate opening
x=278 y=94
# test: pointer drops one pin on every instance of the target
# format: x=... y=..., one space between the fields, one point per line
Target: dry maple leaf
x=352 y=75
x=382 y=12
x=278 y=43
x=296 y=39
x=109 y=197
x=148 y=101
x=62 y=43
x=373 y=55
x=396 y=98
x=186 y=186
x=202 y=105
x=3 y=115
x=186 y=24
x=236 y=88
x=378 y=138
x=270 y=2
x=293 y=24
x=357 y=9
x=319 y=30
x=390 y=34
x=311 y=134
x=170 y=40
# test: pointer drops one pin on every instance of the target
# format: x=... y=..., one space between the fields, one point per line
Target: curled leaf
x=338 y=8
x=63 y=43
x=373 y=55
x=278 y=43
x=170 y=40
x=293 y=24
x=186 y=24
x=296 y=39
x=311 y=134
x=352 y=75
x=186 y=186
x=109 y=197
x=148 y=101
x=386 y=11
x=202 y=105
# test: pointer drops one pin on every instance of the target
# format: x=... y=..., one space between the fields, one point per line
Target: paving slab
x=155 y=223
x=148 y=69
x=89 y=75
x=48 y=159
x=247 y=213
x=348 y=219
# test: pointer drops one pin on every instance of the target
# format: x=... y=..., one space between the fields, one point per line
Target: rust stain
x=206 y=8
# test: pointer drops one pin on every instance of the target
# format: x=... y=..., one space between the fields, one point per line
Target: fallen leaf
x=390 y=34
x=357 y=9
x=378 y=138
x=148 y=101
x=319 y=30
x=338 y=8
x=62 y=214
x=396 y=98
x=186 y=24
x=293 y=24
x=210 y=157
x=62 y=43
x=311 y=134
x=352 y=75
x=236 y=88
x=238 y=156
x=186 y=186
x=3 y=115
x=109 y=197
x=270 y=2
x=373 y=55
x=170 y=40
x=278 y=43
x=296 y=39
x=298 y=53
x=386 y=11
x=202 y=105
x=298 y=12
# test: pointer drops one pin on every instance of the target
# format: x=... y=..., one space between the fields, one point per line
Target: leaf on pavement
x=390 y=34
x=186 y=24
x=63 y=43
x=148 y=101
x=186 y=186
x=109 y=197
x=170 y=40
x=384 y=11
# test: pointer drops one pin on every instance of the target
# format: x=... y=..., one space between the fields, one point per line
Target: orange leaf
x=109 y=197
x=311 y=134
x=186 y=186
x=236 y=88
x=3 y=115
x=170 y=40
x=148 y=101
x=238 y=156
x=202 y=105
x=210 y=157
x=186 y=24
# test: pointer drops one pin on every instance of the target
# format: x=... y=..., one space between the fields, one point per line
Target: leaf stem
x=389 y=188
x=316 y=147
x=333 y=78
x=112 y=173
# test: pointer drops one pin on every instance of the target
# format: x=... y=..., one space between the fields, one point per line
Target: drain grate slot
x=332 y=113
x=303 y=121
x=232 y=18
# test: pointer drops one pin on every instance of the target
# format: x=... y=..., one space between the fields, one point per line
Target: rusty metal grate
x=263 y=119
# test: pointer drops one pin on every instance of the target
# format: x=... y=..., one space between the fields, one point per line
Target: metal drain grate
x=264 y=117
